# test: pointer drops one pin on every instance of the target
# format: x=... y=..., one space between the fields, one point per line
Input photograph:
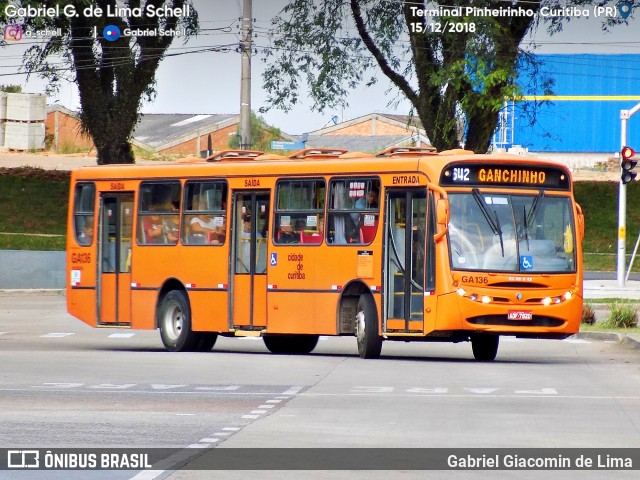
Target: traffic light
x=627 y=165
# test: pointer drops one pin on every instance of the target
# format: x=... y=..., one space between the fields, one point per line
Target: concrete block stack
x=22 y=117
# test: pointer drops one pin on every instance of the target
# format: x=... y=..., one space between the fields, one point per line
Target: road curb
x=623 y=338
x=30 y=292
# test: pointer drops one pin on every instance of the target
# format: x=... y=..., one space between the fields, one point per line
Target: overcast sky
x=210 y=82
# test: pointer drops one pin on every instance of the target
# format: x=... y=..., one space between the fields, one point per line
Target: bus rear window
x=83 y=214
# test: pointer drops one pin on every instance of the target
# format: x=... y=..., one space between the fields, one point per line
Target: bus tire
x=369 y=342
x=485 y=346
x=206 y=341
x=291 y=344
x=175 y=323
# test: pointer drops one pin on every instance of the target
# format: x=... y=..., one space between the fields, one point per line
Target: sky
x=209 y=82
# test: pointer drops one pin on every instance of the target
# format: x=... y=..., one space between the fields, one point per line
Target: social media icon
x=12 y=33
x=111 y=33
x=625 y=9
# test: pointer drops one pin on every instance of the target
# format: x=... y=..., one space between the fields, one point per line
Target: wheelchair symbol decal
x=526 y=262
x=274 y=259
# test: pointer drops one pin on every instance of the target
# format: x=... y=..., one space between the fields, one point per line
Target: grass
x=35 y=201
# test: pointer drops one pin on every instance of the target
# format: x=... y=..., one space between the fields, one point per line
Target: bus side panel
x=143 y=309
x=209 y=311
x=81 y=281
x=207 y=268
x=151 y=267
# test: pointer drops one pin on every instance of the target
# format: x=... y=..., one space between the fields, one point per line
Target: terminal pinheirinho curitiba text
x=484 y=462
x=596 y=11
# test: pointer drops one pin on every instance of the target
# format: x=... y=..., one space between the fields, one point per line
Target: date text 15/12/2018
x=442 y=27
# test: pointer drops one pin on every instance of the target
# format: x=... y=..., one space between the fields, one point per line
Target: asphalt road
x=63 y=384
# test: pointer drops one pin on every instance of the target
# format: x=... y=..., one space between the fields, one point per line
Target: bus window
x=353 y=210
x=83 y=221
x=205 y=216
x=159 y=207
x=299 y=212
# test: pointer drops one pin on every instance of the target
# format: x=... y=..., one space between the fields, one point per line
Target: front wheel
x=484 y=346
x=369 y=342
x=175 y=323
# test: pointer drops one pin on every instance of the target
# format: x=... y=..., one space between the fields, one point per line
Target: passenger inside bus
x=86 y=233
x=161 y=229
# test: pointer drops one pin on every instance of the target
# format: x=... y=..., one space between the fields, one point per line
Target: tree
x=454 y=63
x=11 y=88
x=114 y=72
x=261 y=134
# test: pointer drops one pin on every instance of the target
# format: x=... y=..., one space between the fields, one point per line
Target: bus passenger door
x=114 y=259
x=249 y=260
x=406 y=238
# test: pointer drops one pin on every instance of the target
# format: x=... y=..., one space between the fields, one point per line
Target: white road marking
x=209 y=440
x=199 y=445
x=292 y=391
x=258 y=412
x=266 y=406
x=56 y=335
x=121 y=335
x=250 y=416
x=231 y=429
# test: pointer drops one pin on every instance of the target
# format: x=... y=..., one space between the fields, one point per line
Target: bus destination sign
x=479 y=174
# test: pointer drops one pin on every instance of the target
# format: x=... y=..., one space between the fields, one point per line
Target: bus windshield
x=504 y=232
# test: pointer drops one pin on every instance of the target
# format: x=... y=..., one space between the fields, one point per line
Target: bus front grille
x=537 y=321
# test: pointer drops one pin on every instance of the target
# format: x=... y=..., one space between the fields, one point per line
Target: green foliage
x=261 y=135
x=622 y=316
x=34 y=208
x=11 y=88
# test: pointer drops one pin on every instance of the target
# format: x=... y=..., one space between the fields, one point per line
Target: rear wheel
x=485 y=346
x=291 y=344
x=175 y=323
x=369 y=342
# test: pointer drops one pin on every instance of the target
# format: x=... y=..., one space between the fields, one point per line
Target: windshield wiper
x=499 y=231
x=526 y=226
x=534 y=207
x=495 y=226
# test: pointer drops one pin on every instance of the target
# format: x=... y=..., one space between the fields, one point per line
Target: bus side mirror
x=442 y=211
x=442 y=218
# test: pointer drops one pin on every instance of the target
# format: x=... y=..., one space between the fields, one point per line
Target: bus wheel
x=175 y=323
x=291 y=344
x=206 y=341
x=484 y=346
x=369 y=342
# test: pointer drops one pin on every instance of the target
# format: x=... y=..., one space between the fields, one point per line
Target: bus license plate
x=519 y=315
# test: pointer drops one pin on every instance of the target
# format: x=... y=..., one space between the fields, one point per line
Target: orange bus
x=407 y=245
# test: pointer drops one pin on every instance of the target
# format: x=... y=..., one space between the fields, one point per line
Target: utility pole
x=245 y=82
x=622 y=199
